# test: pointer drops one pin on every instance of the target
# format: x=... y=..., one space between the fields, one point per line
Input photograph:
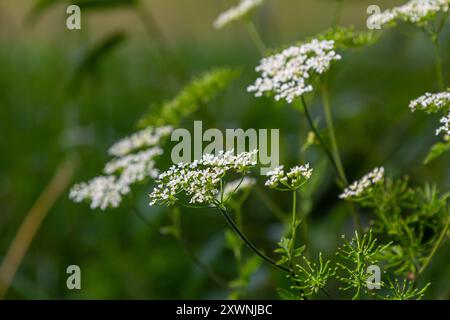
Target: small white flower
x=359 y=187
x=103 y=192
x=147 y=137
x=135 y=167
x=129 y=168
x=417 y=12
x=293 y=180
x=445 y=128
x=200 y=179
x=286 y=75
x=236 y=13
x=431 y=102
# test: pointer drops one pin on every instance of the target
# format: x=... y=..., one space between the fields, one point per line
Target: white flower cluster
x=286 y=74
x=414 y=11
x=445 y=128
x=293 y=180
x=236 y=13
x=106 y=191
x=145 y=138
x=431 y=102
x=366 y=183
x=237 y=186
x=200 y=179
x=135 y=167
x=103 y=191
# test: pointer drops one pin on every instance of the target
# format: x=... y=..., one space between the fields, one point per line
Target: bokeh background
x=60 y=98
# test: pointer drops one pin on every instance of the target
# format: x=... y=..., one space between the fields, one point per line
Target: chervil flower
x=103 y=192
x=122 y=172
x=293 y=180
x=365 y=184
x=445 y=128
x=147 y=137
x=199 y=180
x=236 y=13
x=237 y=186
x=431 y=102
x=135 y=167
x=287 y=74
x=417 y=12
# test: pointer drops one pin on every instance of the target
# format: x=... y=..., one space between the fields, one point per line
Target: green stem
x=248 y=242
x=256 y=38
x=435 y=247
x=186 y=246
x=342 y=184
x=330 y=126
x=438 y=63
x=318 y=136
x=293 y=227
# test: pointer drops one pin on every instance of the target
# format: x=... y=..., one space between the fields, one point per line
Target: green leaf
x=437 y=150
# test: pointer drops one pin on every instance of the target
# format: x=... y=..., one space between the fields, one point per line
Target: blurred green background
x=54 y=104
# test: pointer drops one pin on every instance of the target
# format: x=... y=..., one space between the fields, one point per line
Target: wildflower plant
x=313 y=277
x=430 y=16
x=134 y=162
x=287 y=75
x=436 y=103
x=406 y=216
x=358 y=254
x=406 y=224
x=240 y=11
x=243 y=11
x=404 y=290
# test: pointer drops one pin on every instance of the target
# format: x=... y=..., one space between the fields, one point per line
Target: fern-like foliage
x=358 y=254
x=201 y=90
x=404 y=291
x=412 y=218
x=313 y=277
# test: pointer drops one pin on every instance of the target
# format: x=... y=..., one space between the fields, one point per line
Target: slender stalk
x=256 y=38
x=32 y=222
x=435 y=247
x=318 y=136
x=249 y=243
x=294 y=227
x=333 y=140
x=341 y=183
x=186 y=246
x=438 y=64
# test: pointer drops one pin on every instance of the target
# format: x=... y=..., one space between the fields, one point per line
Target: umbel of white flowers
x=292 y=180
x=417 y=12
x=445 y=128
x=236 y=13
x=200 y=180
x=434 y=102
x=107 y=191
x=431 y=102
x=365 y=184
x=286 y=75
